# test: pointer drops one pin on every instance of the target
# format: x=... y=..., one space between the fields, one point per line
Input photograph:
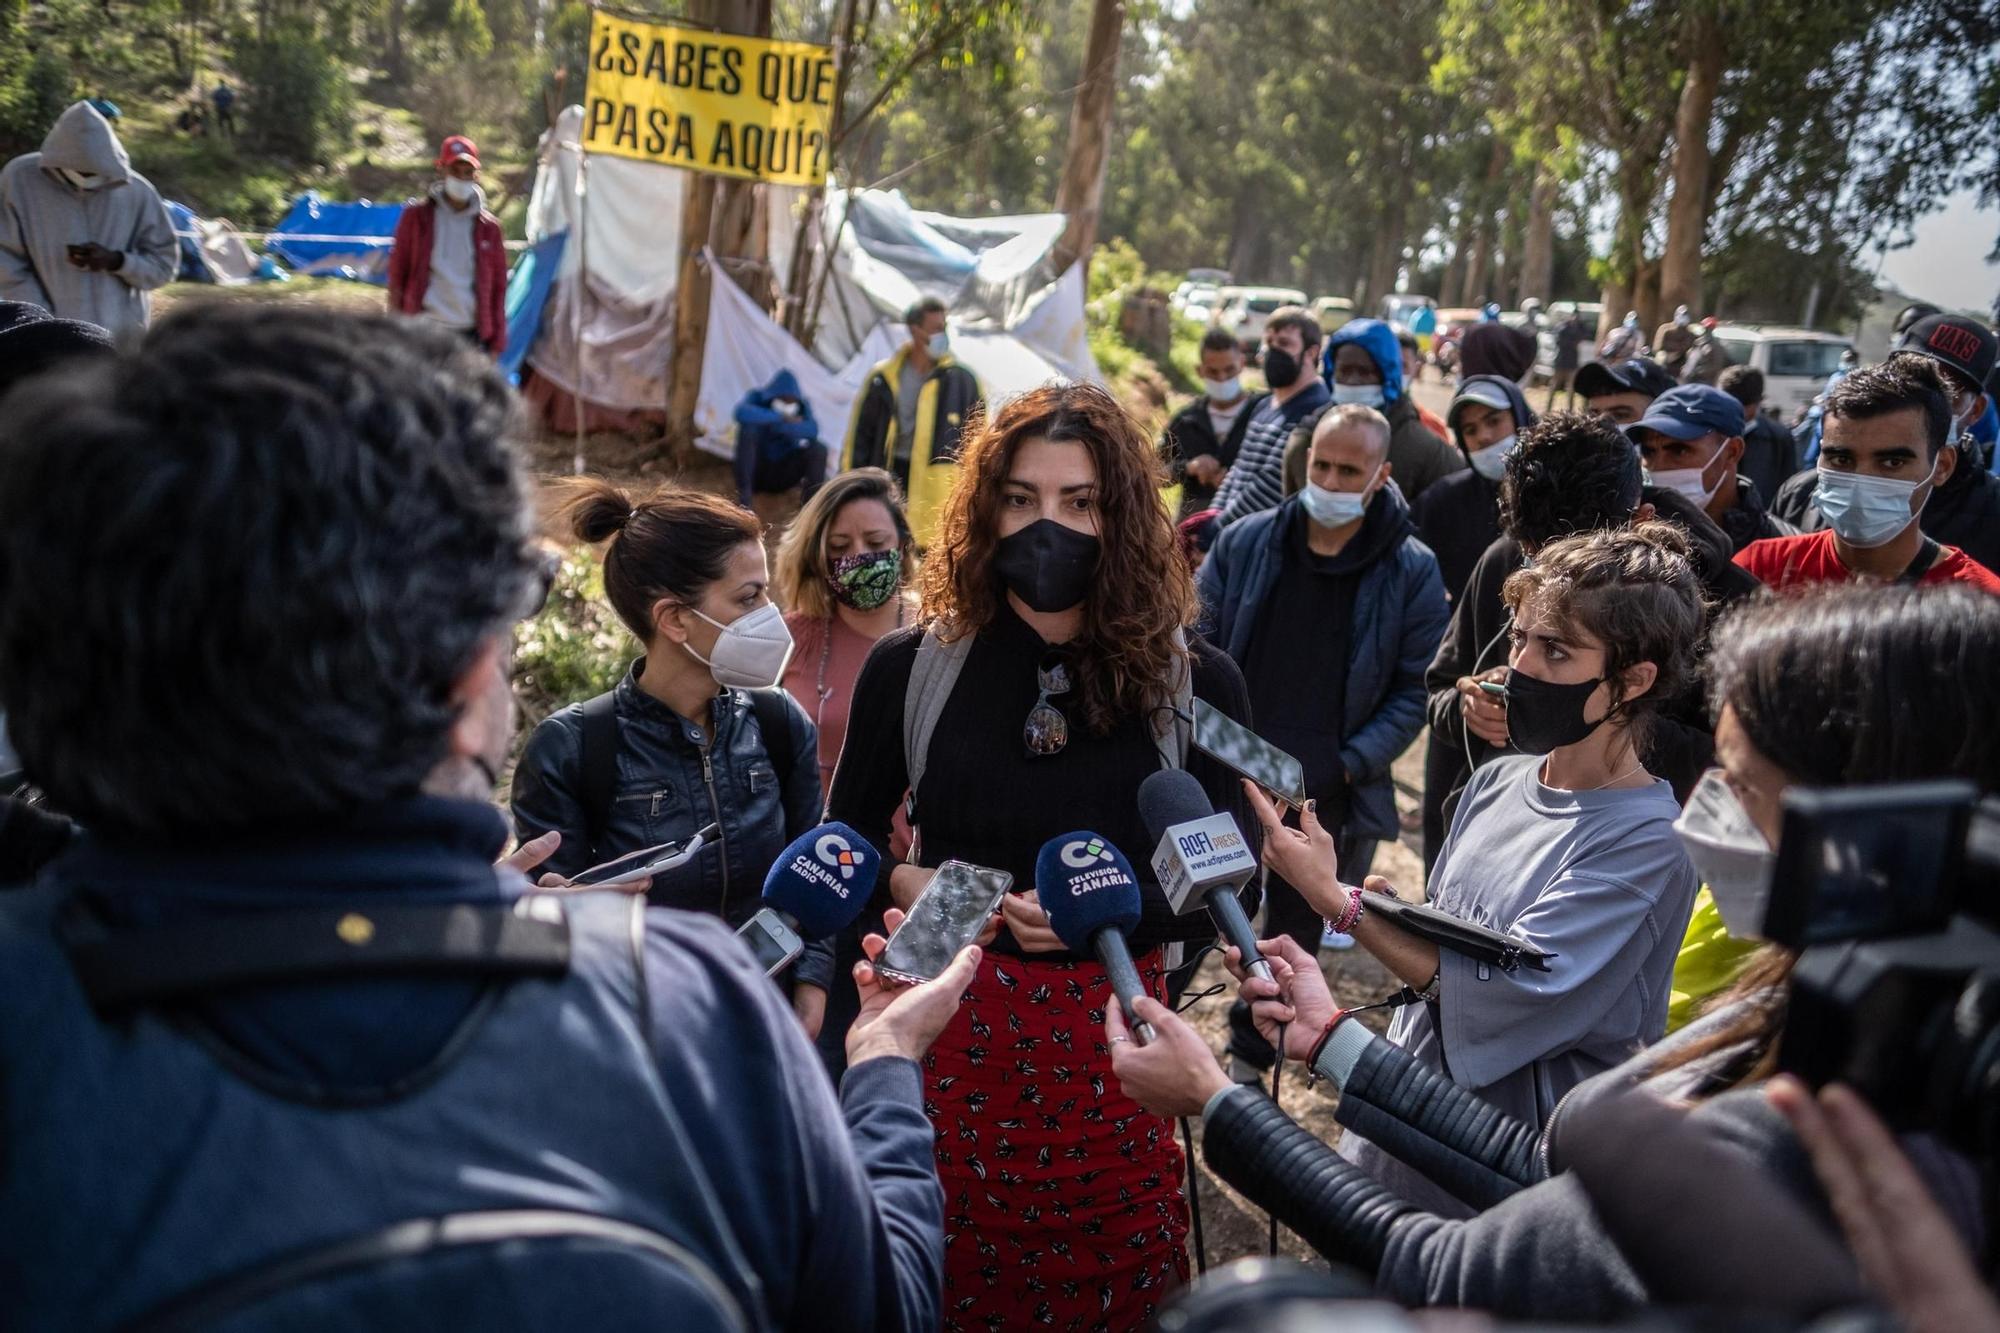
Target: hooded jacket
x=42 y=215
x=1399 y=614
x=774 y=434
x=1964 y=512
x=1459 y=517
x=1682 y=742
x=410 y=267
x=1417 y=458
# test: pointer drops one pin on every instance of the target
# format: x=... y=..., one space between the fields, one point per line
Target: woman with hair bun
x=697 y=732
x=1054 y=651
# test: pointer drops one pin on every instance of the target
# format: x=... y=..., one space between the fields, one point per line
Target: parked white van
x=1795 y=362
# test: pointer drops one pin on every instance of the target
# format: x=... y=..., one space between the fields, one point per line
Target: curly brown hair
x=1142 y=592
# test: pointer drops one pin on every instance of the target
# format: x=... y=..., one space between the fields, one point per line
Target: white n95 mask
x=752 y=651
x=1729 y=854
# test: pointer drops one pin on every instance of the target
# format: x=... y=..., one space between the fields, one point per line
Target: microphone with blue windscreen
x=1092 y=899
x=816 y=888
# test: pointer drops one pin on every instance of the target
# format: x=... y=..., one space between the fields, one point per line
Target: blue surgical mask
x=1491 y=461
x=1367 y=395
x=1867 y=511
x=939 y=344
x=1335 y=509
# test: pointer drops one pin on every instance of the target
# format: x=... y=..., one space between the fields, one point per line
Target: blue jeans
x=804 y=467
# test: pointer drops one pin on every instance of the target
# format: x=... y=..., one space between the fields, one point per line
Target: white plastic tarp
x=1014 y=321
x=745 y=347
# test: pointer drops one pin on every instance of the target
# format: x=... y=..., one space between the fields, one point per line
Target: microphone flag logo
x=1085 y=852
x=834 y=850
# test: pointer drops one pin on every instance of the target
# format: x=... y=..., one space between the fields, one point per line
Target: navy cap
x=1690 y=411
x=1637 y=375
x=1963 y=345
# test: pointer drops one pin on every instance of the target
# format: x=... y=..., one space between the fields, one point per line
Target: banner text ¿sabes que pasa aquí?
x=709 y=101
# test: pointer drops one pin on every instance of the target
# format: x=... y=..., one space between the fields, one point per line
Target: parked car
x=1195 y=300
x=1243 y=311
x=1332 y=312
x=1545 y=341
x=1795 y=361
x=1401 y=308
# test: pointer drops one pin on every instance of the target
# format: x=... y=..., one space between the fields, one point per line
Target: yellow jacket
x=946 y=402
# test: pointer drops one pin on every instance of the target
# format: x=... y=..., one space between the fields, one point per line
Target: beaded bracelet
x=1350 y=917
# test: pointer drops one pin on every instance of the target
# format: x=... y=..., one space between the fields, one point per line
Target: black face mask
x=1047 y=565
x=1543 y=716
x=1281 y=368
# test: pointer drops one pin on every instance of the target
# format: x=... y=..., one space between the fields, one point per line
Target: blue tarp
x=364 y=230
x=527 y=293
x=194 y=268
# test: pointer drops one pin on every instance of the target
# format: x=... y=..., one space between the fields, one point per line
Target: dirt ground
x=1233 y=1228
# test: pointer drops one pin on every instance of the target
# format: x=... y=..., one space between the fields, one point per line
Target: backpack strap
x=932 y=677
x=1173 y=730
x=774 y=720
x=127 y=969
x=600 y=765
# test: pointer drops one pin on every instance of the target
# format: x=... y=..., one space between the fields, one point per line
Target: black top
x=1191 y=434
x=1458 y=518
x=1296 y=668
x=986 y=800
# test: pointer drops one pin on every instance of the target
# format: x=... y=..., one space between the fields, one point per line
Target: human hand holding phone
x=1484 y=712
x=901 y=1020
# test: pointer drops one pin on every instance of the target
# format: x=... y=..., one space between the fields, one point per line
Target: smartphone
x=773 y=942
x=947 y=916
x=646 y=861
x=1230 y=743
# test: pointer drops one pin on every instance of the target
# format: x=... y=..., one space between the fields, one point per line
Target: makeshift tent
x=337 y=240
x=1015 y=321
x=212 y=250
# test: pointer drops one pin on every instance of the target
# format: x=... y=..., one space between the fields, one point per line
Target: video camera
x=1888 y=893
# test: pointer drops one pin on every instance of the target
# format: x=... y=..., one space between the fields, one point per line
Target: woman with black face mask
x=1569 y=844
x=1037 y=692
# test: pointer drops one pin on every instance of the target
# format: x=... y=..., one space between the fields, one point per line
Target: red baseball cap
x=455 y=148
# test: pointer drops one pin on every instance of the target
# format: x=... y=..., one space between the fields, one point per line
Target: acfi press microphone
x=816 y=888
x=1092 y=897
x=1202 y=858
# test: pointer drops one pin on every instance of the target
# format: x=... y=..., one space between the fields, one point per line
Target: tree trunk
x=398 y=70
x=1538 y=245
x=1479 y=269
x=1451 y=289
x=716 y=212
x=812 y=213
x=1386 y=259
x=1687 y=210
x=1081 y=194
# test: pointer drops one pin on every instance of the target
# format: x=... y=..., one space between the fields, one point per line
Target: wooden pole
x=1080 y=195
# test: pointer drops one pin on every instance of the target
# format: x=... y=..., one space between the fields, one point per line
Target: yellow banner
x=709 y=101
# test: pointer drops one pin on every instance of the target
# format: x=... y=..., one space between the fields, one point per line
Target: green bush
x=31 y=98
x=575 y=648
x=300 y=103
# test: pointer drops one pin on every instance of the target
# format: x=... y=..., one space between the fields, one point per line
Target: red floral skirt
x=1065 y=1203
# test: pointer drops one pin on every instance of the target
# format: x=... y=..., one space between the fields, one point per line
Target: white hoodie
x=42 y=215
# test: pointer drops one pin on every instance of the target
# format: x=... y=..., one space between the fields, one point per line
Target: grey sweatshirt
x=42 y=215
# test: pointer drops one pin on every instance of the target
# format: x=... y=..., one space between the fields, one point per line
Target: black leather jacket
x=671 y=782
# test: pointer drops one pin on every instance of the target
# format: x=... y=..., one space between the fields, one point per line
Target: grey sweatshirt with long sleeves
x=42 y=215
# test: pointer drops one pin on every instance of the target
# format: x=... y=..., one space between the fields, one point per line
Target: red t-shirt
x=1791 y=562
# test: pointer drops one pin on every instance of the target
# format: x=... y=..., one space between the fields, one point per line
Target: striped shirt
x=1256 y=481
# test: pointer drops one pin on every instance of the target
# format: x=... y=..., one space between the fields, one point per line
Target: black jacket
x=1748 y=520
x=1459 y=516
x=1682 y=743
x=1770 y=454
x=1190 y=435
x=1964 y=512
